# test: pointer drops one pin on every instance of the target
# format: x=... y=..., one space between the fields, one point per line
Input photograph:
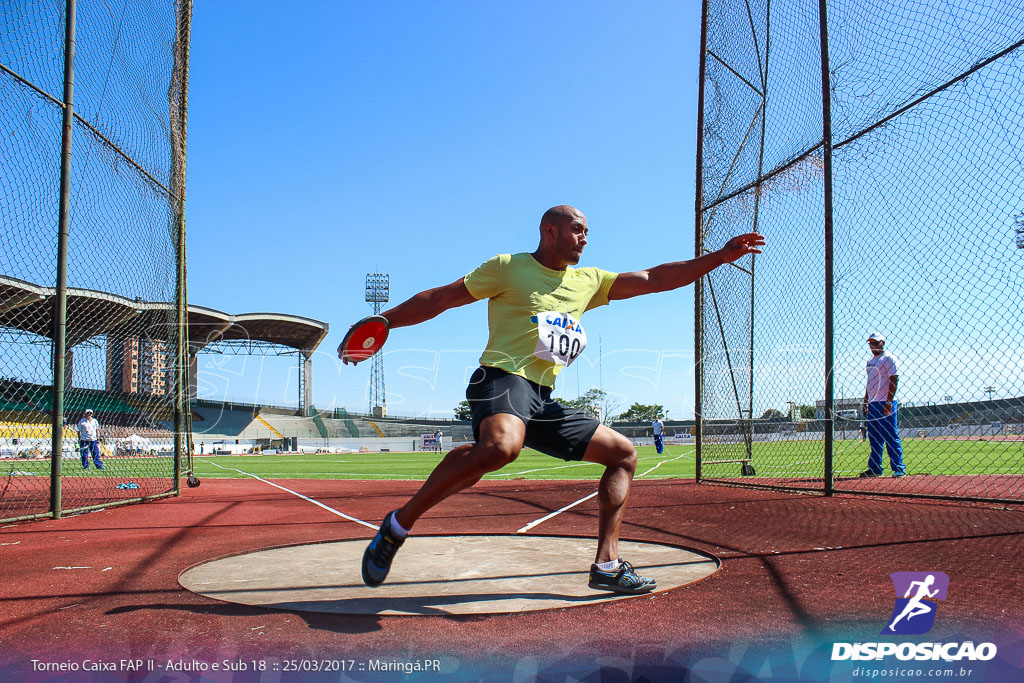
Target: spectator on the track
x=88 y=440
x=535 y=302
x=880 y=410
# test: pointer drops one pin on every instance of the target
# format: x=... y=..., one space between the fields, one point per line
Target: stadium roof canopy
x=28 y=307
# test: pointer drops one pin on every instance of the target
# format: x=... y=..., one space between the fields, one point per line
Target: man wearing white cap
x=88 y=440
x=880 y=409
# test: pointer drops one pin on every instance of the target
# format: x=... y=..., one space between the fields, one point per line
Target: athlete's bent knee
x=611 y=449
x=495 y=455
x=627 y=459
x=622 y=453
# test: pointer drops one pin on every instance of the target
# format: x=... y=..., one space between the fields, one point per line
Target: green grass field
x=778 y=459
x=921 y=456
x=677 y=461
x=792 y=459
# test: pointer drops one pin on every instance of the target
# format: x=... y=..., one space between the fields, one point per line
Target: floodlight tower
x=377 y=293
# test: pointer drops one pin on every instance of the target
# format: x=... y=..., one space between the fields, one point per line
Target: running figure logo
x=914 y=612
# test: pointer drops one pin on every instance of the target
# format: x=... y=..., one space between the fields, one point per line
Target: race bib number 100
x=560 y=338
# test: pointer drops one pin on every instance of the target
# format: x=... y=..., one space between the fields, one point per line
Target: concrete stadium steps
x=411 y=429
x=222 y=421
x=273 y=424
x=158 y=409
x=291 y=425
x=269 y=426
x=318 y=421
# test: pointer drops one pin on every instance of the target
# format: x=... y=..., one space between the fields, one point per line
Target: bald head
x=560 y=216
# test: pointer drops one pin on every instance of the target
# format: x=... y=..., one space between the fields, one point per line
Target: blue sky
x=333 y=139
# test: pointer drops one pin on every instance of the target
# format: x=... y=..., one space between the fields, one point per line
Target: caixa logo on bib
x=916 y=604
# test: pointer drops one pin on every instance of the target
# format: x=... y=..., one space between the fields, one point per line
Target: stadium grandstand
x=232 y=427
x=997 y=417
x=132 y=408
x=128 y=421
x=255 y=334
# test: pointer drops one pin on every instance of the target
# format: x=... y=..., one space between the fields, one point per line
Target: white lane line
x=553 y=514
x=342 y=476
x=660 y=464
x=539 y=469
x=583 y=500
x=306 y=498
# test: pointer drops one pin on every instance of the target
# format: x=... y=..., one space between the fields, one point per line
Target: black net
x=125 y=193
x=928 y=197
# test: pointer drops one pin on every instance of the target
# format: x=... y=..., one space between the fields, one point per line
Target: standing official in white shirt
x=880 y=409
x=658 y=430
x=88 y=440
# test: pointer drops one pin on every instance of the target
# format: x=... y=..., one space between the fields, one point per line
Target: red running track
x=103 y=584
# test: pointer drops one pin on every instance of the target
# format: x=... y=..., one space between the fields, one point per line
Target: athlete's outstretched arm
x=429 y=304
x=681 y=273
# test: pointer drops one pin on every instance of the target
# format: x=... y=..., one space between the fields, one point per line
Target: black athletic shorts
x=551 y=428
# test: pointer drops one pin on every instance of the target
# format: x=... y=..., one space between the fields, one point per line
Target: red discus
x=363 y=339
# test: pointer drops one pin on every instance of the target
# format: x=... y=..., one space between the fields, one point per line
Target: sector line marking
x=306 y=498
x=586 y=498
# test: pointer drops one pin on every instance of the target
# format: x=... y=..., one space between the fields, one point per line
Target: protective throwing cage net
x=919 y=197
x=104 y=161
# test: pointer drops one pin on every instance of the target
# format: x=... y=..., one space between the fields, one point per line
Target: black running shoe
x=868 y=474
x=380 y=552
x=620 y=580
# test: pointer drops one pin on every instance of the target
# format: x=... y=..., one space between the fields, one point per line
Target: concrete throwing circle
x=436 y=575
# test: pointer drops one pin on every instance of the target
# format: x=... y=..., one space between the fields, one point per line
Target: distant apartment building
x=137 y=365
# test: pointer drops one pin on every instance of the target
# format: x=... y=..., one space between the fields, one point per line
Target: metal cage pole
x=757 y=207
x=698 y=250
x=826 y=125
x=303 y=406
x=60 y=299
x=182 y=441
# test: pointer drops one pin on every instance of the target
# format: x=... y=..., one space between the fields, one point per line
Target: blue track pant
x=883 y=431
x=87 y=448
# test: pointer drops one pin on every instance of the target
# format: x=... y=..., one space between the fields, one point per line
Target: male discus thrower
x=364 y=339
